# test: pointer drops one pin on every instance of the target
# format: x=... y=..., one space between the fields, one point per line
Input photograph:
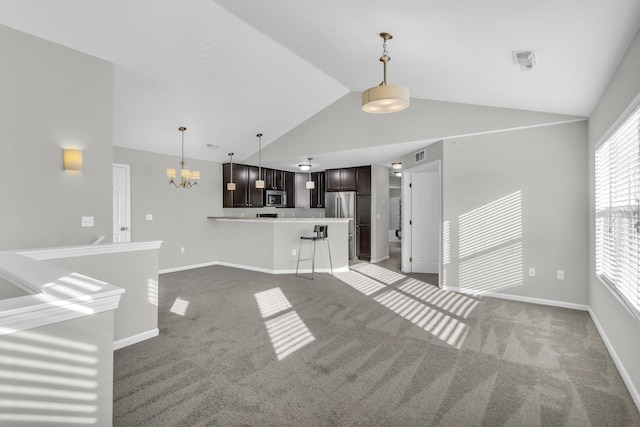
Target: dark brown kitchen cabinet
x=318 y=192
x=256 y=195
x=246 y=194
x=290 y=188
x=363 y=180
x=363 y=226
x=341 y=179
x=273 y=179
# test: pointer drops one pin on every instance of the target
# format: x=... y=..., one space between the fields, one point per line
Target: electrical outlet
x=560 y=274
x=182 y=250
x=149 y=217
x=87 y=221
x=532 y=272
x=293 y=252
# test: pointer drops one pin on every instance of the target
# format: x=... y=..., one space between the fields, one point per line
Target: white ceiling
x=228 y=69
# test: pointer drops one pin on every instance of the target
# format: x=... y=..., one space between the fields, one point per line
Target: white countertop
x=281 y=220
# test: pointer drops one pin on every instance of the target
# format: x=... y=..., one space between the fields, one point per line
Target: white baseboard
x=252 y=268
x=187 y=267
x=633 y=391
x=245 y=267
x=125 y=342
x=373 y=261
x=552 y=303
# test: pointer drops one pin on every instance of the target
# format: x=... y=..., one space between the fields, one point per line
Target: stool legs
x=330 y=262
x=313 y=257
x=298 y=263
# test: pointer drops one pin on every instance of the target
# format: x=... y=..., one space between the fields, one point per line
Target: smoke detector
x=525 y=59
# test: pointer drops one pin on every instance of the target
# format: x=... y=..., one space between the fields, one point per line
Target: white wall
x=136 y=317
x=344 y=126
x=84 y=344
x=620 y=329
x=514 y=200
x=179 y=215
x=53 y=98
x=379 y=213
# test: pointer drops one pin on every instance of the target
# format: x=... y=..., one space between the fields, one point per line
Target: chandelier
x=188 y=177
x=385 y=98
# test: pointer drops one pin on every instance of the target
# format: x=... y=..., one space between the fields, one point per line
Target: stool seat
x=320 y=233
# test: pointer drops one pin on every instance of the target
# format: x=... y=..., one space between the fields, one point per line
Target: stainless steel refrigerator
x=343 y=205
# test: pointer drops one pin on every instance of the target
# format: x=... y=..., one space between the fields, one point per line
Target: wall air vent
x=525 y=59
x=419 y=156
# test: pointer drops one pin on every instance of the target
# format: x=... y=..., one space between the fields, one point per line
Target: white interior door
x=121 y=204
x=425 y=222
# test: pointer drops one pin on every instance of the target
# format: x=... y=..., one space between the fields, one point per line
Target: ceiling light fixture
x=385 y=98
x=399 y=173
x=259 y=181
x=396 y=165
x=188 y=178
x=306 y=166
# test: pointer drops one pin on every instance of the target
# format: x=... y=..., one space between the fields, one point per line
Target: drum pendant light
x=385 y=98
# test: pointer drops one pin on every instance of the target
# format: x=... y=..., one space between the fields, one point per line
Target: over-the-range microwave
x=275 y=198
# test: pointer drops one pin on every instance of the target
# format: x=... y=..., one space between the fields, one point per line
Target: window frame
x=632 y=110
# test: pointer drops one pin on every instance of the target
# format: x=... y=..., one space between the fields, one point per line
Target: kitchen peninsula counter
x=271 y=245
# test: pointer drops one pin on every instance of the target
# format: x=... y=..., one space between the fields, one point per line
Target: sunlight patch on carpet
x=360 y=282
x=180 y=306
x=271 y=302
x=452 y=302
x=432 y=309
x=378 y=273
x=288 y=333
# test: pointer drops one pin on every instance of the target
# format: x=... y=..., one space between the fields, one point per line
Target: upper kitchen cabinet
x=341 y=179
x=317 y=193
x=363 y=180
x=273 y=179
x=246 y=194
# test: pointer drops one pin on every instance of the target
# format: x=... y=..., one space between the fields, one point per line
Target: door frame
x=407 y=175
x=127 y=169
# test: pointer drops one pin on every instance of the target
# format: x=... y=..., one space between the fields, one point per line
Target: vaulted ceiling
x=228 y=69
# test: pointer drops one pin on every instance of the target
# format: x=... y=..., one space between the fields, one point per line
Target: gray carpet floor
x=371 y=347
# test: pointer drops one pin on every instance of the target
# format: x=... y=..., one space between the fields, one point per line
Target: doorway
x=421 y=222
x=121 y=203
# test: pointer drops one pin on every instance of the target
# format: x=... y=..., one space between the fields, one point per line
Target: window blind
x=617 y=172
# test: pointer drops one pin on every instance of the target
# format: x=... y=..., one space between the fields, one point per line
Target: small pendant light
x=231 y=186
x=259 y=181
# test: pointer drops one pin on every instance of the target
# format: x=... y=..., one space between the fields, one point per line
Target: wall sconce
x=72 y=159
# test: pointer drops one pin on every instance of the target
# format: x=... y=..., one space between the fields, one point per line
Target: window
x=618 y=211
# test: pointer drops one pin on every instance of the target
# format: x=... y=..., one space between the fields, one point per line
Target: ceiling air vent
x=525 y=59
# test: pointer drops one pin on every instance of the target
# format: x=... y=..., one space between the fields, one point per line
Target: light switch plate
x=532 y=272
x=149 y=217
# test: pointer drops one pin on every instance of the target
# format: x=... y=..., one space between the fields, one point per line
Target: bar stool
x=320 y=232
